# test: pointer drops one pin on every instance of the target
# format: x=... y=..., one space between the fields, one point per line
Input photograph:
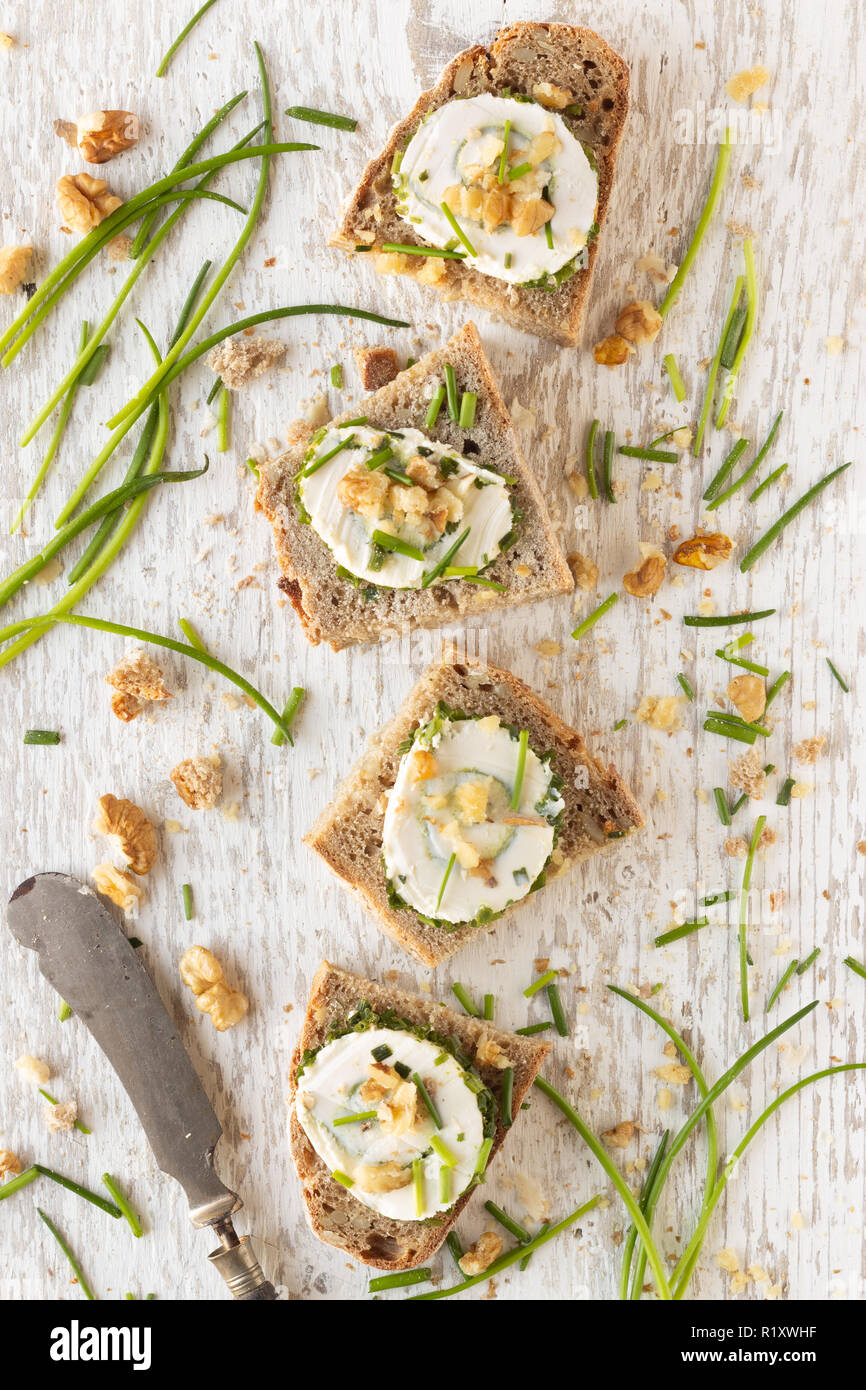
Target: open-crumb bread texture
x=522 y=57
x=337 y=1217
x=333 y=610
x=599 y=808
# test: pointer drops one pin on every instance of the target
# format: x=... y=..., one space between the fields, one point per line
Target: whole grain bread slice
x=337 y=1217
x=599 y=808
x=522 y=57
x=331 y=609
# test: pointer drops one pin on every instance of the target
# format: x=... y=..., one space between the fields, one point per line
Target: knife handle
x=238 y=1265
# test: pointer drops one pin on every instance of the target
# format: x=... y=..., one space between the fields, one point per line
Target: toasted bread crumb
x=620 y=1136
x=59 y=1118
x=748 y=775
x=809 y=750
x=199 y=782
x=377 y=365
x=239 y=360
x=136 y=679
x=10 y=1164
x=736 y=847
x=743 y=84
x=584 y=570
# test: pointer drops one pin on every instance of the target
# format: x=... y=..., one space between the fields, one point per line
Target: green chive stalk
x=744 y=909
x=709 y=393
x=707 y=212
x=172 y=49
x=73 y=1263
x=59 y=431
x=778 y=527
x=748 y=329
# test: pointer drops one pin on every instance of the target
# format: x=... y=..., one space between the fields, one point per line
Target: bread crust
x=334 y=1215
x=348 y=833
x=329 y=608
x=570 y=56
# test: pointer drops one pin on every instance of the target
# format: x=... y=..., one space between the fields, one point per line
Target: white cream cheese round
x=376 y=1155
x=449 y=821
x=454 y=157
x=346 y=503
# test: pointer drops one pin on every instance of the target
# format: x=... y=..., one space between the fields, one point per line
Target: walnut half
x=201 y=970
x=480 y=1257
x=646 y=578
x=703 y=552
x=127 y=824
x=100 y=135
x=85 y=201
x=639 y=322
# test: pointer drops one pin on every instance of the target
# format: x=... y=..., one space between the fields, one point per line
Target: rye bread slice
x=599 y=807
x=522 y=56
x=333 y=610
x=337 y=1217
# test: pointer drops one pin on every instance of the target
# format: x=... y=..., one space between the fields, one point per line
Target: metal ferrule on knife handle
x=237 y=1263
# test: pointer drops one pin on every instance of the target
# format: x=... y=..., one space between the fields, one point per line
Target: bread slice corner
x=334 y=1215
x=534 y=567
x=600 y=810
x=521 y=57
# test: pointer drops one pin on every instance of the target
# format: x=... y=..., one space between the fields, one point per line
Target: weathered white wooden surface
x=266 y=907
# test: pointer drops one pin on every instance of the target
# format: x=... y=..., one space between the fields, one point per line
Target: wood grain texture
x=267 y=908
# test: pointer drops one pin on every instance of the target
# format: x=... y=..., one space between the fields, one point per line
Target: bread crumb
x=736 y=848
x=239 y=360
x=199 y=781
x=747 y=775
x=809 y=750
x=137 y=680
x=548 y=647
x=743 y=84
x=377 y=365
x=656 y=268
x=665 y=1099
x=10 y=1164
x=674 y=1074
x=620 y=1136
x=834 y=346
x=59 y=1118
x=728 y=1259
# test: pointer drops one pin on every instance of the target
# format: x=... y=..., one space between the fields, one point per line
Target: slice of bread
x=333 y=610
x=522 y=57
x=337 y=1217
x=599 y=808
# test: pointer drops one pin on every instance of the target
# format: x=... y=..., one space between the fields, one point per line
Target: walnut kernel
x=100 y=135
x=117 y=885
x=127 y=824
x=14 y=261
x=748 y=695
x=85 y=201
x=202 y=972
x=612 y=352
x=703 y=552
x=639 y=322
x=646 y=579
x=585 y=572
x=481 y=1255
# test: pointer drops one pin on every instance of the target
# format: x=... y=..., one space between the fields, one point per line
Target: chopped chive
x=223 y=421
x=508 y=259
x=445 y=879
x=38 y=1169
x=452 y=1240
x=745 y=336
x=359 y=1118
x=738 y=804
x=441 y=565
x=548 y=235
x=518 y=171
x=418 y=1184
x=57 y=435
x=441 y=1149
x=64 y=1012
x=670 y=365
x=751 y=470
x=722 y=716
x=607 y=464
x=843 y=683
x=381 y=1052
x=480 y=1165
x=590 y=460
x=728 y=465
x=744 y=907
x=686 y=685
x=186 y=892
x=776 y=687
x=347 y=424
x=451 y=392
x=164 y=65
x=762 y=487
x=483 y=583
x=115 y=1192
x=396 y=161
x=780 y=985
x=461 y=994
x=379 y=457
x=730 y=730
x=524 y=1263
x=409 y=248
x=722 y=805
x=506 y=1100
x=318 y=463
x=214 y=391
x=636 y=451
x=342 y=1178
x=313 y=117
x=52 y=1101
x=394 y=543
x=428 y=1102
x=620 y=724
x=445 y=1185
x=532 y=1028
x=399 y=1281
x=190 y=634
x=489 y=1006
x=706 y=215
x=732 y=338
x=539 y=984
x=506 y=132
x=513 y=1227
x=753 y=666
x=402 y=1070
x=457 y=229
x=520 y=771
x=468 y=402
x=713 y=898
x=435 y=406
x=397 y=477
x=728 y=620
x=784 y=797
x=443 y=1057
x=90 y=371
x=736 y=644
x=363 y=248
x=676 y=933
x=290 y=709
x=709 y=392
x=337 y=376
x=810 y=960
x=855 y=965
x=593 y=618
x=557 y=1011
x=776 y=529
x=46 y=736
x=29 y=1175
x=74 y=1265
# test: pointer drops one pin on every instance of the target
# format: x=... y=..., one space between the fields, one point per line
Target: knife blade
x=89 y=961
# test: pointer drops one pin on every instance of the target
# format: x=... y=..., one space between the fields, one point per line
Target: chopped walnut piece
x=33 y=1070
x=365 y=493
x=674 y=1074
x=238 y=360
x=100 y=135
x=7 y=41
x=612 y=352
x=59 y=1118
x=397 y=1114
x=736 y=847
x=137 y=679
x=129 y=827
x=14 y=261
x=748 y=695
x=703 y=552
x=743 y=84
x=383 y=1177
x=202 y=972
x=424 y=765
x=488 y=1053
x=748 y=775
x=620 y=1136
x=377 y=365
x=117 y=885
x=639 y=322
x=766 y=838
x=10 y=1164
x=809 y=750
x=551 y=96
x=646 y=578
x=659 y=711
x=481 y=1255
x=199 y=781
x=585 y=572
x=85 y=201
